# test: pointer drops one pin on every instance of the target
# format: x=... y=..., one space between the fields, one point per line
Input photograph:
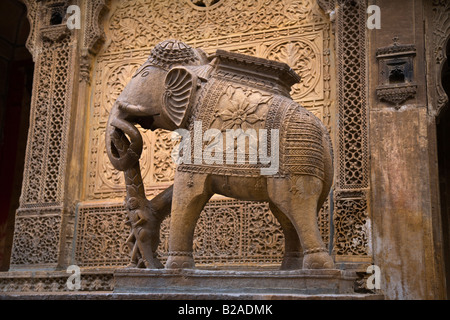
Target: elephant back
x=269 y=75
x=302 y=137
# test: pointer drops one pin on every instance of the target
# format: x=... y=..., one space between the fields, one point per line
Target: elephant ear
x=181 y=85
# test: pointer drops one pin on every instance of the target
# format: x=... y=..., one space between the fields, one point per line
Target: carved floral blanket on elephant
x=225 y=105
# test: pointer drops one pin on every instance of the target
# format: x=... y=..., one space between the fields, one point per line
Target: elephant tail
x=328 y=169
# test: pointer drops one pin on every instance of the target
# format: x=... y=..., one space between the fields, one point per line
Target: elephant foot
x=318 y=260
x=180 y=260
x=158 y=264
x=153 y=263
x=131 y=265
x=292 y=261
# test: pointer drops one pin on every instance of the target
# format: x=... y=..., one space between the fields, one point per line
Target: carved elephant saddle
x=240 y=92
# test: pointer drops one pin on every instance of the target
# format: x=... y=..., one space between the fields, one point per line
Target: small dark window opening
x=57 y=15
x=396 y=76
x=56 y=18
x=205 y=3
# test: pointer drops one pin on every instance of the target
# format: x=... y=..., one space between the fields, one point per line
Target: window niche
x=56 y=14
x=396 y=74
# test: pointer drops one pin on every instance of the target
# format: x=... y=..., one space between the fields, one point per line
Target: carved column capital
x=85 y=65
x=93 y=33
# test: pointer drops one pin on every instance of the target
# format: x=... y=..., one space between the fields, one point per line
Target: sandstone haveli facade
x=380 y=93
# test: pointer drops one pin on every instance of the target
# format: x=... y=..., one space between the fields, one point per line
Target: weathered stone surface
x=191 y=284
x=404 y=186
x=184 y=296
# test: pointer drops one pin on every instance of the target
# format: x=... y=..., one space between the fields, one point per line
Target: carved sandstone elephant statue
x=208 y=97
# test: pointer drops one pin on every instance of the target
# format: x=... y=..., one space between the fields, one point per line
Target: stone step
x=180 y=296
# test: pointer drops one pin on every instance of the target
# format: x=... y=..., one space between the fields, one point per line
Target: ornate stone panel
x=352 y=224
x=352 y=144
x=39 y=282
x=230 y=232
x=45 y=159
x=235 y=232
x=36 y=238
x=101 y=236
x=141 y=24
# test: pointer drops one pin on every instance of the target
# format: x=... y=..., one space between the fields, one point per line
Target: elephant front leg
x=190 y=196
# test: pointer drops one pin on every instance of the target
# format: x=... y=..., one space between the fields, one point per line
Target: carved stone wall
x=296 y=32
x=115 y=39
x=71 y=210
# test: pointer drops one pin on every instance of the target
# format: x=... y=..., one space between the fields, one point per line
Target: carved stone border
x=40 y=282
x=438 y=37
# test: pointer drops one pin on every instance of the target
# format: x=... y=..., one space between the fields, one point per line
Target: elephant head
x=145 y=101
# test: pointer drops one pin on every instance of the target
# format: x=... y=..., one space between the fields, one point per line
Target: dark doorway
x=443 y=141
x=16 y=76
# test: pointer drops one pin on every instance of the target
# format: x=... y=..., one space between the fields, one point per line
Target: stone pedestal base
x=226 y=282
x=193 y=284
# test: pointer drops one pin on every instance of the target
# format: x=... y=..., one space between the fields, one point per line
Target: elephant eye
x=142 y=70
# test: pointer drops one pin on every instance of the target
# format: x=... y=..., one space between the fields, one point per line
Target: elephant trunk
x=122 y=153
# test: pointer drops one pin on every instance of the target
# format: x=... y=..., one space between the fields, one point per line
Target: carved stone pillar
x=39 y=238
x=352 y=227
x=44 y=224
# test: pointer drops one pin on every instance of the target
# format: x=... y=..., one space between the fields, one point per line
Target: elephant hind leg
x=293 y=255
x=298 y=198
